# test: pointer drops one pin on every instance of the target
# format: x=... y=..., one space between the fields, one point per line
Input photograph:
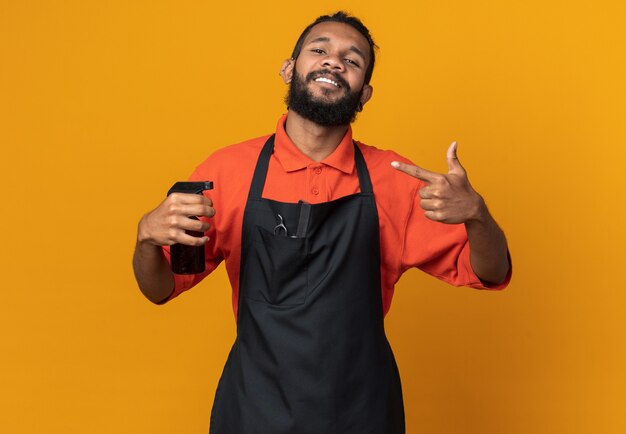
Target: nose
x=333 y=62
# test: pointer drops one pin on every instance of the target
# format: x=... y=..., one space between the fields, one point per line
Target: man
x=315 y=230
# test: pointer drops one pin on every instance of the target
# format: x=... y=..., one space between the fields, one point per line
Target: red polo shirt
x=407 y=238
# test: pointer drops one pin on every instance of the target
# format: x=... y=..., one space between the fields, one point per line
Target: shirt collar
x=292 y=159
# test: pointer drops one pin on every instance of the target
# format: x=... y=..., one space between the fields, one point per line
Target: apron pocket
x=277 y=269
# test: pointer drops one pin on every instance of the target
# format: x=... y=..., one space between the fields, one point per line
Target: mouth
x=327 y=80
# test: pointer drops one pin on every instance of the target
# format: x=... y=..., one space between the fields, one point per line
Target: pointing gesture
x=447 y=198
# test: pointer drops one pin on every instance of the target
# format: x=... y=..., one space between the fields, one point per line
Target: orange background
x=103 y=105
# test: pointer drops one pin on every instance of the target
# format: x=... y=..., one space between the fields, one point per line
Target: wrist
x=480 y=213
x=143 y=235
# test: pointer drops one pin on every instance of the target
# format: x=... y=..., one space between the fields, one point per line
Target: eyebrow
x=352 y=48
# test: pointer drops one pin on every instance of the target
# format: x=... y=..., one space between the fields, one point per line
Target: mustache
x=326 y=72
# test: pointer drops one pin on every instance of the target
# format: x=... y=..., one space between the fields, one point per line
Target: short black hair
x=345 y=18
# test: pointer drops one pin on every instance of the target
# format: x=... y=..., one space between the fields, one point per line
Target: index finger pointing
x=415 y=171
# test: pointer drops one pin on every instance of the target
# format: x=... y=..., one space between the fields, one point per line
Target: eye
x=352 y=62
x=318 y=51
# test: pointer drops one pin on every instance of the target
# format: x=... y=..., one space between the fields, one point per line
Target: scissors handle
x=280 y=228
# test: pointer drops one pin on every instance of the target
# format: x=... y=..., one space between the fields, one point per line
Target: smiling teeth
x=327 y=80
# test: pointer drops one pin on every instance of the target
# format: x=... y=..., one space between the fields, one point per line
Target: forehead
x=339 y=33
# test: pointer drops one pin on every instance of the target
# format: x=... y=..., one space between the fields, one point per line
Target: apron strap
x=361 y=170
x=260 y=172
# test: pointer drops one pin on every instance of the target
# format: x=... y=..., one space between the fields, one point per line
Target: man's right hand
x=164 y=226
x=167 y=223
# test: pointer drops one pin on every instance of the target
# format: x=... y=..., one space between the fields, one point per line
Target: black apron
x=311 y=355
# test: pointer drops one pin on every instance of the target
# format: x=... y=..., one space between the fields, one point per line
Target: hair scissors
x=280 y=228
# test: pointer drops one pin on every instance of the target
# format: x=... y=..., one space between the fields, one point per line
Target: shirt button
x=318 y=170
x=315 y=191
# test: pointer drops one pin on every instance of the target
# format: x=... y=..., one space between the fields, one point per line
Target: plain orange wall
x=103 y=105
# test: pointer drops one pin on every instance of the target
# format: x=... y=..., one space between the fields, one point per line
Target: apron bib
x=311 y=355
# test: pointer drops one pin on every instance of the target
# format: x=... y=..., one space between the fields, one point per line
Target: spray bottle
x=188 y=259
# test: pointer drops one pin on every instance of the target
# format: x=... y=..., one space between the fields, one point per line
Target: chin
x=327 y=97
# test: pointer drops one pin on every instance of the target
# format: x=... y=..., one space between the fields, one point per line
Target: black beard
x=328 y=114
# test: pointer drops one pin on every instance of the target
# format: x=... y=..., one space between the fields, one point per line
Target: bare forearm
x=152 y=271
x=488 y=247
x=449 y=198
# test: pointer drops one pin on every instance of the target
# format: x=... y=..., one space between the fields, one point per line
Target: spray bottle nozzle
x=191 y=187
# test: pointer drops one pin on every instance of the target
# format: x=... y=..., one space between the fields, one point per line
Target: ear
x=366 y=93
x=286 y=71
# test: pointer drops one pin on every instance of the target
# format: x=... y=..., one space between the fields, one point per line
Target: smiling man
x=336 y=100
x=315 y=230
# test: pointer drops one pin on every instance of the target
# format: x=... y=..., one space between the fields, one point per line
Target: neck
x=315 y=141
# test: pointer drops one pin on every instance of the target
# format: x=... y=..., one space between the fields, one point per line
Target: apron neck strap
x=260 y=172
x=361 y=170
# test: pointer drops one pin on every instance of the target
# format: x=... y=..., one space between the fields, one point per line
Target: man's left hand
x=447 y=198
